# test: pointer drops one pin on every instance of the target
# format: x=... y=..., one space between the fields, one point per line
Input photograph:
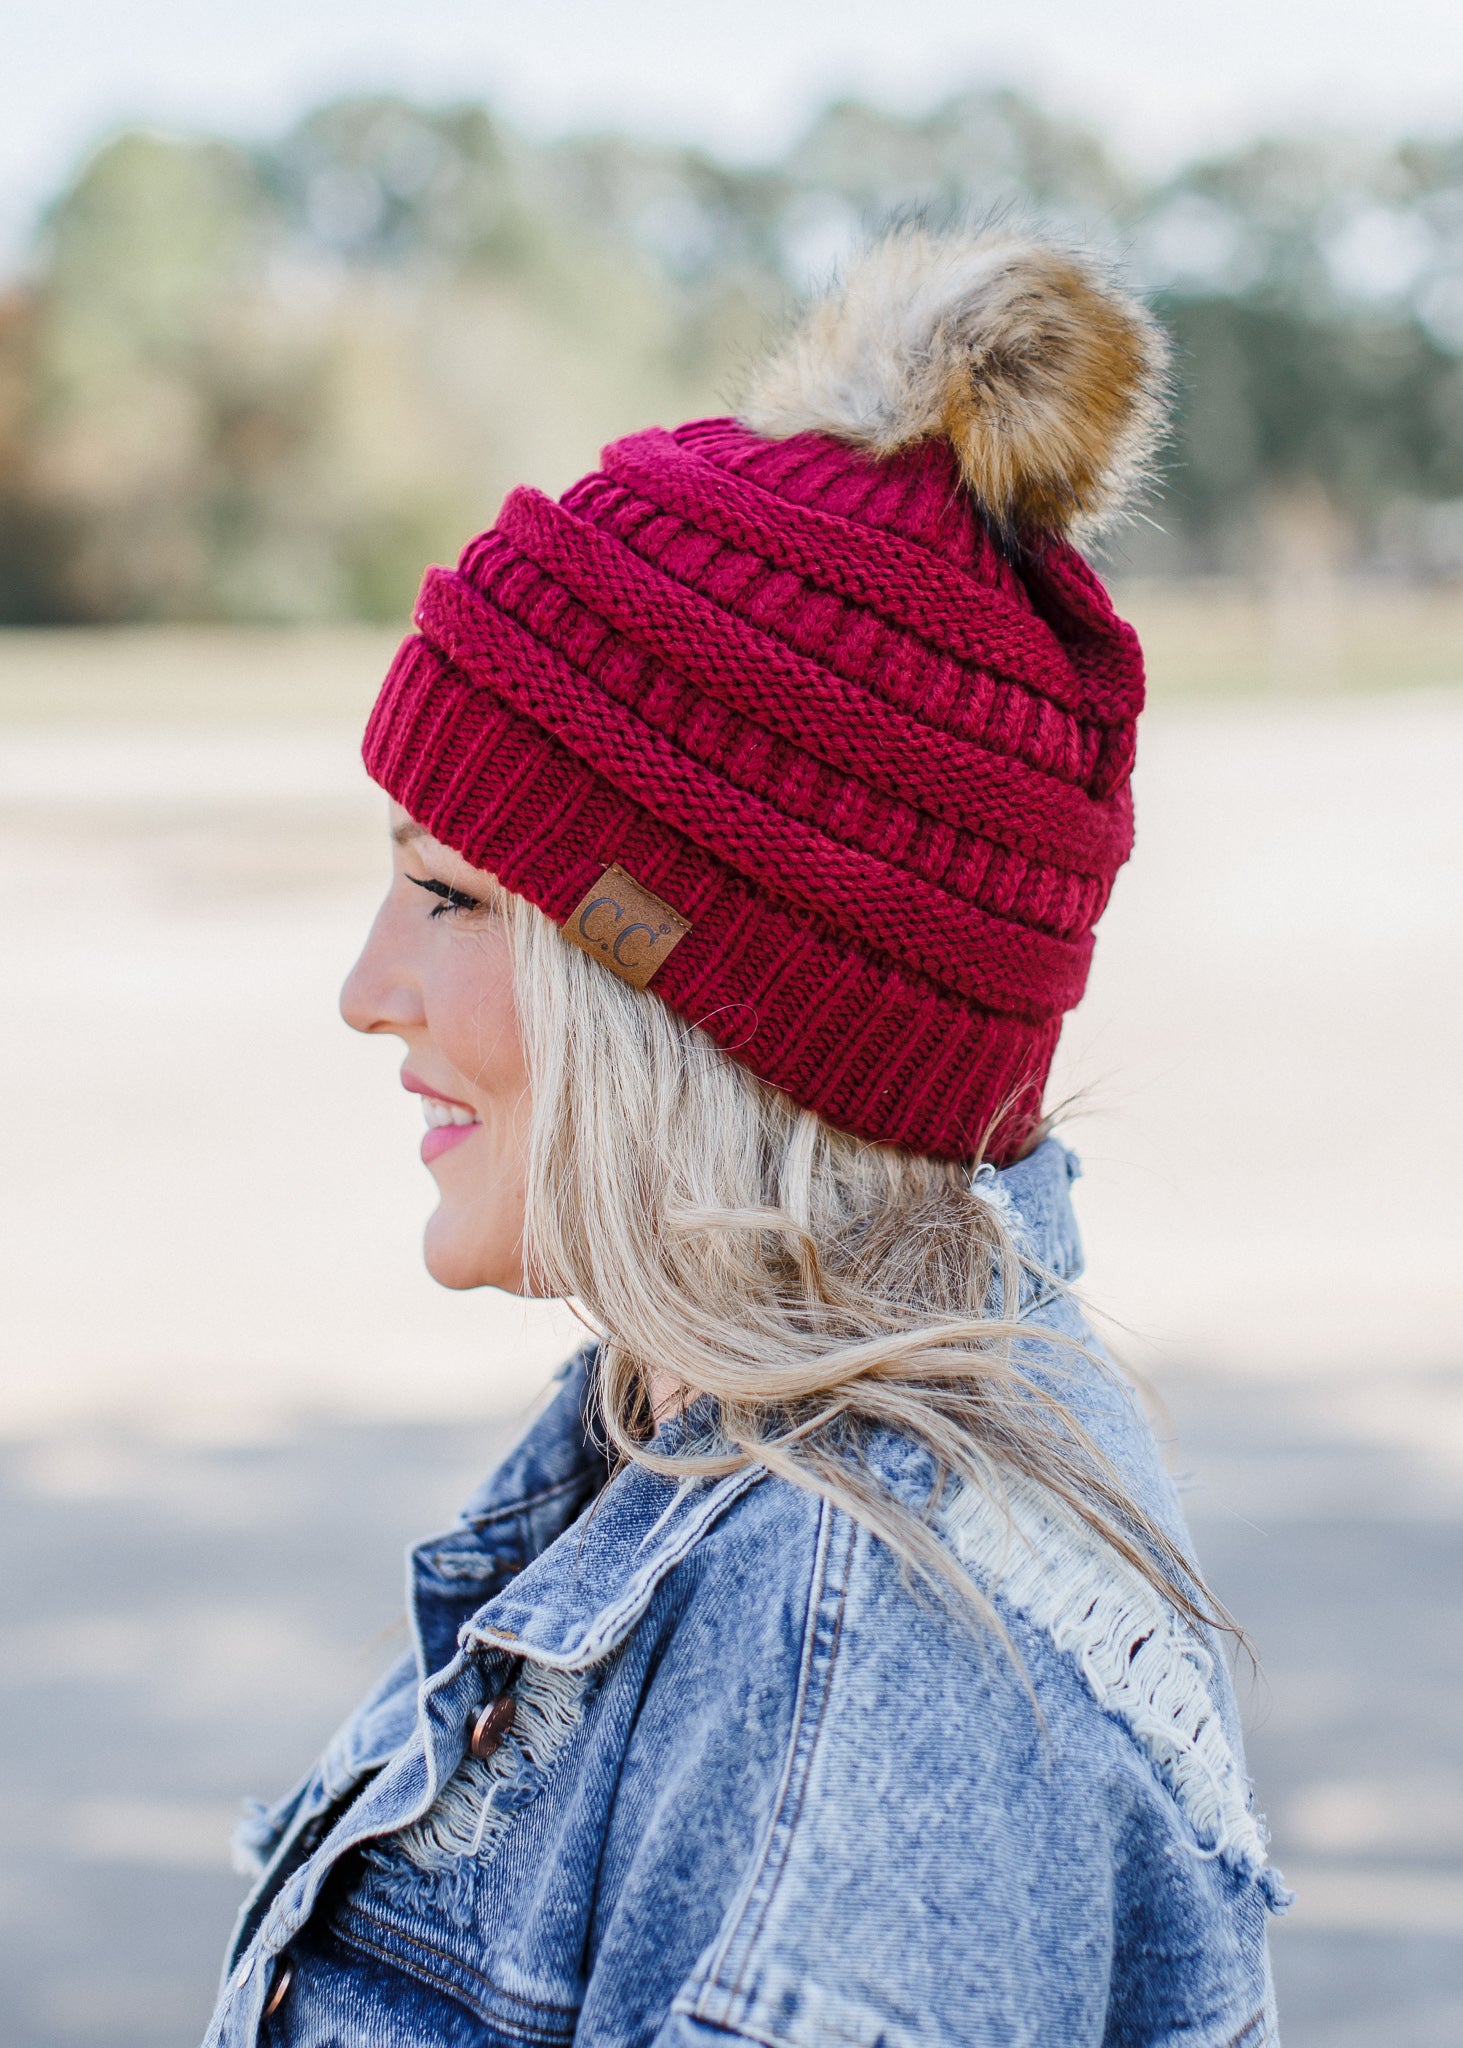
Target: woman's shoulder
x=1045 y=1646
x=1039 y=1790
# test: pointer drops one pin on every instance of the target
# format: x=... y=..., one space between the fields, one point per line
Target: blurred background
x=287 y=301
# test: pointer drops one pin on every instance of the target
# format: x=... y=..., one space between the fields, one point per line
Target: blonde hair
x=729 y=1243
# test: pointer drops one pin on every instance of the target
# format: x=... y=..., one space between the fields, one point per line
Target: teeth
x=444 y=1113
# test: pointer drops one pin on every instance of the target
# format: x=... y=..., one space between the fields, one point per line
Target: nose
x=381 y=992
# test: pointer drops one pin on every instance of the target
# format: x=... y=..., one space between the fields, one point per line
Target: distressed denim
x=760 y=1785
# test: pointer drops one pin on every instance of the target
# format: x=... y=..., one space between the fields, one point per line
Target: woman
x=827 y=1664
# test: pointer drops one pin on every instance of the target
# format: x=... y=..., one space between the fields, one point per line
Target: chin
x=455 y=1258
x=451 y=1260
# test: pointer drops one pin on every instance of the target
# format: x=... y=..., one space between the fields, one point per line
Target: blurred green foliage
x=271 y=384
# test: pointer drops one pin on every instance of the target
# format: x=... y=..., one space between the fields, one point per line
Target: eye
x=452 y=899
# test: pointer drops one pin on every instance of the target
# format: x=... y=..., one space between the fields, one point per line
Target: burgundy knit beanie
x=814 y=721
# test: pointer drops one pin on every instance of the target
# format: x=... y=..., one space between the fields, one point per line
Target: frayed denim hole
x=1139 y=1659
x=475 y=1807
x=431 y=1896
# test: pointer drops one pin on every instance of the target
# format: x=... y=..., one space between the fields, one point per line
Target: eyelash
x=452 y=899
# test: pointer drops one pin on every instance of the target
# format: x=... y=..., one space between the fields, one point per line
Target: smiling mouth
x=448 y=1124
x=439 y=1112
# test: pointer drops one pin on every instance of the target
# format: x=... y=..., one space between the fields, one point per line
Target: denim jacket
x=699 y=1764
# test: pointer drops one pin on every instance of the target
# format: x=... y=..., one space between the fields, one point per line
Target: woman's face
x=436 y=971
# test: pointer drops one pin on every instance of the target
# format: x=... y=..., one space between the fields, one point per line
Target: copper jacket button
x=491 y=1725
x=281 y=1985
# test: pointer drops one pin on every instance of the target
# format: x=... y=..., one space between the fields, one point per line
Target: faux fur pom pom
x=1047 y=378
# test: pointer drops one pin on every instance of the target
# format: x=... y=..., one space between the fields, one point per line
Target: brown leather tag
x=621 y=924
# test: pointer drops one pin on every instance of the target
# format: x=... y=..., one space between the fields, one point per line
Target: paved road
x=188 y=1623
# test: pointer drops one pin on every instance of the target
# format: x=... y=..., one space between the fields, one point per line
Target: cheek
x=474 y=1237
x=471 y=1015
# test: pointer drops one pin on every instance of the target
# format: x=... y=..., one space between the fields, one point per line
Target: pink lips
x=441 y=1137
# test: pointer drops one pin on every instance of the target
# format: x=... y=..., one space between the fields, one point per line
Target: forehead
x=405 y=831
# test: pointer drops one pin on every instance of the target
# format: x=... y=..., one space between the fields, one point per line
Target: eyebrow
x=408 y=830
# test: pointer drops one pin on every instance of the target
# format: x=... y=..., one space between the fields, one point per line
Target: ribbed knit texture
x=799 y=693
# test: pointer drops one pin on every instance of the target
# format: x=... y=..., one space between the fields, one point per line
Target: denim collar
x=586 y=1588
x=1036 y=1196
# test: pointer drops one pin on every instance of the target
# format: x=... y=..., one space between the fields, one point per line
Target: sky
x=1162 y=79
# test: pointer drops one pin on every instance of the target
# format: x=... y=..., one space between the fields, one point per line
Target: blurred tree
x=270 y=384
x=149 y=256
x=1310 y=286
x=34 y=544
